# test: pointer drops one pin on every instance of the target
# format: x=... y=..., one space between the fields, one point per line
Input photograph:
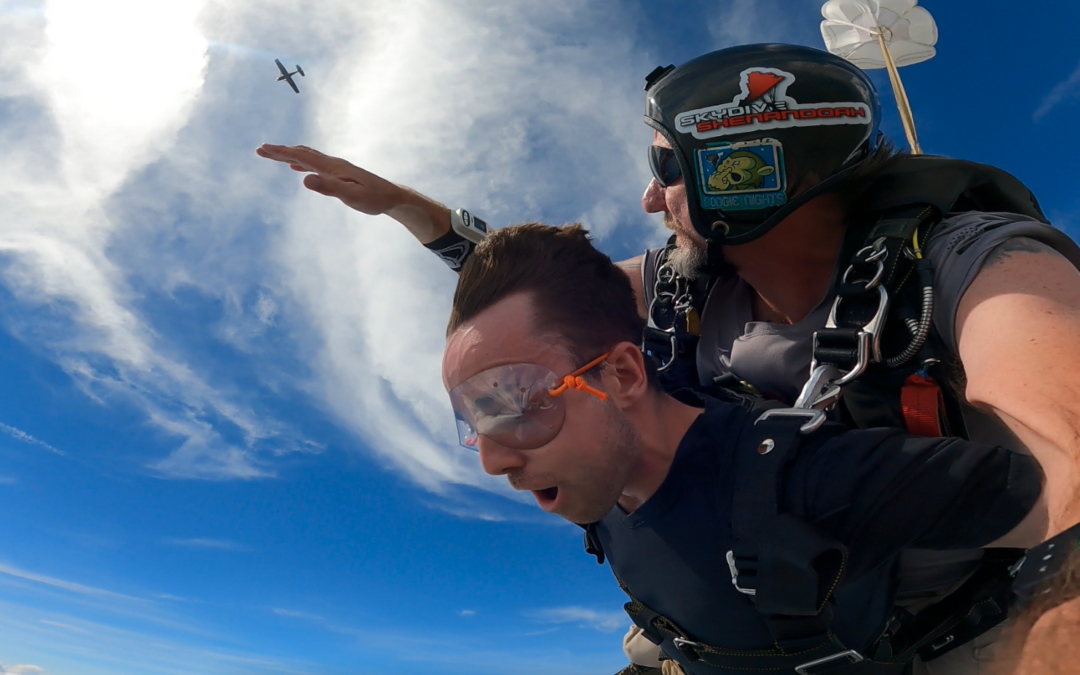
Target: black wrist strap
x=452 y=249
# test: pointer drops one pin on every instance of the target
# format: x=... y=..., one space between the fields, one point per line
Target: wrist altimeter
x=468 y=226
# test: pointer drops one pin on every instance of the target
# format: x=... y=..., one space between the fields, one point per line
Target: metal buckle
x=872 y=329
x=683 y=643
x=674 y=350
x=805 y=669
x=820 y=391
x=735 y=578
x=874 y=280
x=815 y=417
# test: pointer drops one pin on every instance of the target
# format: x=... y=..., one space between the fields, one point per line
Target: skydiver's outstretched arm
x=363 y=191
x=425 y=218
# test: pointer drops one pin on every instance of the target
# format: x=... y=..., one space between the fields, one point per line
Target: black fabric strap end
x=452 y=249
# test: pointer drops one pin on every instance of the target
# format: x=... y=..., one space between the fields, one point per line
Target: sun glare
x=119 y=73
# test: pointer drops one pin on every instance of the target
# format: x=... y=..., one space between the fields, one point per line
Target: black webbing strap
x=1041 y=567
x=783 y=563
x=827 y=656
x=763 y=451
x=880 y=262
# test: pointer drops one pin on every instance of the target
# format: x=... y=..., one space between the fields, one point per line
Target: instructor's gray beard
x=689 y=255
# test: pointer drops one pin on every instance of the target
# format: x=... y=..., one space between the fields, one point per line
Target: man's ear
x=624 y=375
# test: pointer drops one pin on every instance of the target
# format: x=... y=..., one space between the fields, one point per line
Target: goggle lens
x=665 y=168
x=511 y=405
x=518 y=406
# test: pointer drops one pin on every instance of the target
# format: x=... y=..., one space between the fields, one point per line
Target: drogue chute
x=882 y=34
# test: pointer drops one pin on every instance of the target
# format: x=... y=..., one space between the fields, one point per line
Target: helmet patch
x=764 y=104
x=741 y=176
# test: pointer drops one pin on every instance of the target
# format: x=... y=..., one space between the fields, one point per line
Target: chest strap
x=852 y=339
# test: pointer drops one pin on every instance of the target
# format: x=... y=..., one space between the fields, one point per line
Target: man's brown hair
x=578 y=293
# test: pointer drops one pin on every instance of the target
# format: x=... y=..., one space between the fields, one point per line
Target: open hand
x=335 y=177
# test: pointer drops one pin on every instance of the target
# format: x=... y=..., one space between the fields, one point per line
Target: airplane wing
x=284 y=72
x=292 y=84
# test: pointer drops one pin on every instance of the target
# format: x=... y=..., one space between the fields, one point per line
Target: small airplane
x=287 y=76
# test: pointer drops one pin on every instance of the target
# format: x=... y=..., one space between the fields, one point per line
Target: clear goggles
x=518 y=406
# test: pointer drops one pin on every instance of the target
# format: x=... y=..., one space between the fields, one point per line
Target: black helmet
x=757 y=131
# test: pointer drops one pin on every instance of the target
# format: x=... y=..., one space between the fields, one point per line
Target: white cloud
x=21 y=435
x=605 y=622
x=467 y=612
x=1066 y=89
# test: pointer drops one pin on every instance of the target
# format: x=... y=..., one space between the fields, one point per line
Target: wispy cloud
x=65 y=626
x=605 y=622
x=293 y=614
x=20 y=670
x=203 y=542
x=1066 y=89
x=63 y=584
x=101 y=648
x=20 y=435
x=467 y=612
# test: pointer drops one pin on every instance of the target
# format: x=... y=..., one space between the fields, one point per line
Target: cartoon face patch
x=741 y=176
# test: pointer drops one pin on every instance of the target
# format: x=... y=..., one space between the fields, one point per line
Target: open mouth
x=546 y=498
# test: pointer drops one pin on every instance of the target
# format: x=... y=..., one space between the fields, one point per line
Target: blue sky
x=224 y=446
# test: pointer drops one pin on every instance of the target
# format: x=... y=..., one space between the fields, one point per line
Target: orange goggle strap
x=575 y=381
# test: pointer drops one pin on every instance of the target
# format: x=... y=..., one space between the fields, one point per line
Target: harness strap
x=1038 y=571
x=826 y=655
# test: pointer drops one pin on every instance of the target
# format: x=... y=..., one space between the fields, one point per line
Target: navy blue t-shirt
x=877 y=491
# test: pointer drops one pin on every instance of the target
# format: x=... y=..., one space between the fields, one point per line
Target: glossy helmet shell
x=802 y=118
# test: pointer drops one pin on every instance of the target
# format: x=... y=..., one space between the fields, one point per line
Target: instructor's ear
x=624 y=375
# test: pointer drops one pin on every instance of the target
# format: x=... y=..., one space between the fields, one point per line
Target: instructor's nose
x=653 y=200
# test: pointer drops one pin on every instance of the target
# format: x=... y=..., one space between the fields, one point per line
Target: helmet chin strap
x=714 y=255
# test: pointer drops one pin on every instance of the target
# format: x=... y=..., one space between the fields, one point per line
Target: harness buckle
x=809 y=668
x=869 y=335
x=815 y=418
x=735 y=576
x=820 y=391
x=688 y=648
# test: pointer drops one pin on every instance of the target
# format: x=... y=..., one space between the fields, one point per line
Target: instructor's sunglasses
x=665 y=168
x=518 y=406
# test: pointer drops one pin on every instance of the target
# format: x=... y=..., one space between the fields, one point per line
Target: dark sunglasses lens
x=665 y=168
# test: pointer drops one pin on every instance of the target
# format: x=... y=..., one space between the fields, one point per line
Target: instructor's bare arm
x=363 y=191
x=632 y=267
x=1018 y=328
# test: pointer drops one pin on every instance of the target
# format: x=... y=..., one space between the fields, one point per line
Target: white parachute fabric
x=851 y=29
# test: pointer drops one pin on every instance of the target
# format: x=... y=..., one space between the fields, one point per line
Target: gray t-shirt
x=775 y=358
